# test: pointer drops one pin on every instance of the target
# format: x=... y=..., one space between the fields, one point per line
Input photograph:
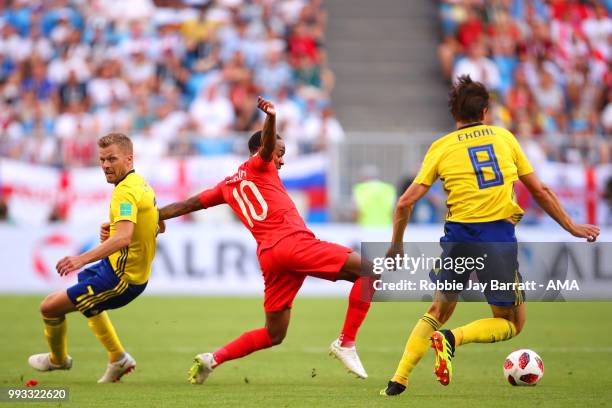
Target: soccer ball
x=523 y=367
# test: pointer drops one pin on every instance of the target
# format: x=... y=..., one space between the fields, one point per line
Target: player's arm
x=548 y=200
x=427 y=175
x=402 y=213
x=124 y=230
x=268 y=133
x=206 y=199
x=181 y=208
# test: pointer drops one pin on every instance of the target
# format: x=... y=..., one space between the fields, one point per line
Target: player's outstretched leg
x=205 y=363
x=415 y=349
x=507 y=322
x=273 y=334
x=360 y=299
x=416 y=346
x=120 y=362
x=53 y=310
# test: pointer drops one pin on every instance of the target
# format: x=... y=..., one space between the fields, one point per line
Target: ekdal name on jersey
x=475 y=134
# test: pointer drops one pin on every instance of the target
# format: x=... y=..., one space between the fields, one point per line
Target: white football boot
x=203 y=365
x=348 y=356
x=117 y=369
x=42 y=362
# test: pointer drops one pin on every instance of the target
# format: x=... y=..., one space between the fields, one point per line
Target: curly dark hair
x=468 y=100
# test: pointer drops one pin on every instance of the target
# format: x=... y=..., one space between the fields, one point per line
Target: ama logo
x=51 y=249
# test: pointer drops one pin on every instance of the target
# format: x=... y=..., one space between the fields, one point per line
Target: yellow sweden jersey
x=478 y=166
x=134 y=200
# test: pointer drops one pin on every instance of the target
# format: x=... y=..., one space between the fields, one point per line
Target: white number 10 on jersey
x=242 y=198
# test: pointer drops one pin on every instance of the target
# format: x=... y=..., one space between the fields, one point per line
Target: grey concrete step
x=402 y=72
x=377 y=8
x=383 y=53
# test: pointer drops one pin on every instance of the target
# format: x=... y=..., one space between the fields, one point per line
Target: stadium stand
x=549 y=63
x=181 y=78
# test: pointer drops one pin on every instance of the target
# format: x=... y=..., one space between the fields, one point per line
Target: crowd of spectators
x=549 y=63
x=179 y=76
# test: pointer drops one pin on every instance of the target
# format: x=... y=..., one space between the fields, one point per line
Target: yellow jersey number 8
x=490 y=162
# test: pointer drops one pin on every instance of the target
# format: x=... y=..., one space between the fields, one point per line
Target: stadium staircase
x=383 y=53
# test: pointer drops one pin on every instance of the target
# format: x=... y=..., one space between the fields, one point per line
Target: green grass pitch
x=164 y=333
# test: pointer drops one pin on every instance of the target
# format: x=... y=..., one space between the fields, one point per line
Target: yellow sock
x=102 y=327
x=55 y=332
x=484 y=331
x=416 y=347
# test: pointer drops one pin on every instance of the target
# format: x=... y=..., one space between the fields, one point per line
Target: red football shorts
x=286 y=265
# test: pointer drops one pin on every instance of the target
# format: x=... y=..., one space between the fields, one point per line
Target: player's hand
x=104 y=231
x=587 y=231
x=69 y=264
x=161 y=227
x=394 y=251
x=266 y=106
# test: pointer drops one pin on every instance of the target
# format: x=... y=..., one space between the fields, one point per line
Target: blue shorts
x=100 y=289
x=495 y=244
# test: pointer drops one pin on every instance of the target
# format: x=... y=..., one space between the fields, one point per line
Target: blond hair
x=119 y=139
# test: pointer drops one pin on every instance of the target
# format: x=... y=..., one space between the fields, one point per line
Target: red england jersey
x=257 y=196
